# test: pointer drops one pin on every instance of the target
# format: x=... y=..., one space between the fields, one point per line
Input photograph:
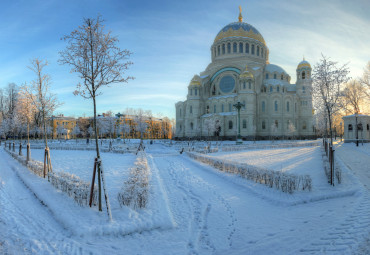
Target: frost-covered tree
x=76 y=131
x=365 y=80
x=27 y=110
x=274 y=130
x=44 y=101
x=291 y=129
x=141 y=124
x=328 y=79
x=354 y=95
x=93 y=54
x=125 y=128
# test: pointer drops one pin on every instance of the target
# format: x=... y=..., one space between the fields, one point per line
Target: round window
x=227 y=84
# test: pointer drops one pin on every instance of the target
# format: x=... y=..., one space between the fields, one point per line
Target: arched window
x=195 y=91
x=214 y=108
x=223 y=48
x=277 y=88
x=287 y=106
x=267 y=76
x=263 y=124
x=303 y=89
x=230 y=107
x=244 y=104
x=247 y=48
x=258 y=50
x=276 y=106
x=214 y=91
x=261 y=52
x=276 y=123
x=350 y=128
x=249 y=84
x=252 y=49
x=191 y=109
x=270 y=88
x=240 y=47
x=230 y=124
x=274 y=75
x=180 y=112
x=228 y=48
x=263 y=106
x=207 y=109
x=282 y=77
x=303 y=75
x=264 y=89
x=218 y=50
x=244 y=124
x=244 y=85
x=191 y=92
x=304 y=126
x=191 y=125
x=222 y=108
x=367 y=126
x=359 y=126
x=235 y=47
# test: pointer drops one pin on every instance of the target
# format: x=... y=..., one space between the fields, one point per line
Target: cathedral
x=240 y=72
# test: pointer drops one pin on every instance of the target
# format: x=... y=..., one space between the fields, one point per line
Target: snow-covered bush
x=282 y=181
x=135 y=190
x=73 y=186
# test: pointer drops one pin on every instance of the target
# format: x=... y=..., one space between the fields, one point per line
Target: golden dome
x=246 y=73
x=195 y=81
x=303 y=63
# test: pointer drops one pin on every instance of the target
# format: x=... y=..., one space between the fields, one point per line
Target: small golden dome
x=303 y=63
x=195 y=81
x=246 y=73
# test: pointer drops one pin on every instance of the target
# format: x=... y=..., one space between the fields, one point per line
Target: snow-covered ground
x=194 y=208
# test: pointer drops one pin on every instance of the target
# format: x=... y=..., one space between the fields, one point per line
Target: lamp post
x=341 y=133
x=356 y=114
x=238 y=106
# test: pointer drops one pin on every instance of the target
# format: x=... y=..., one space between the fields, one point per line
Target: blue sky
x=171 y=41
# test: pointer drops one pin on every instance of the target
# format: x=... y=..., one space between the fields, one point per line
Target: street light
x=341 y=133
x=238 y=106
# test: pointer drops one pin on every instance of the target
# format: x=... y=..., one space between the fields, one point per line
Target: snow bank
x=282 y=181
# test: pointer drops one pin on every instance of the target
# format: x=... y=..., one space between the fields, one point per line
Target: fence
x=332 y=171
x=282 y=181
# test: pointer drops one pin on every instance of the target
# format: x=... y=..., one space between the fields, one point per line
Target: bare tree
x=94 y=55
x=44 y=101
x=327 y=82
x=354 y=95
x=26 y=110
x=365 y=80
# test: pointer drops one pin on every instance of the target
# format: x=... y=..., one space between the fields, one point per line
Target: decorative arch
x=233 y=69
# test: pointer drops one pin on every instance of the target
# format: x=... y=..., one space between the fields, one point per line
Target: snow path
x=25 y=222
x=356 y=160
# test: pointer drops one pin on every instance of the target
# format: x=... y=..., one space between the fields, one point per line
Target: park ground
x=193 y=208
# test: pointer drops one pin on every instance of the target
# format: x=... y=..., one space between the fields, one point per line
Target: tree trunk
x=97 y=153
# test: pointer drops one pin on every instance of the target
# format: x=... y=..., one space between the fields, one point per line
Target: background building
x=240 y=72
x=363 y=126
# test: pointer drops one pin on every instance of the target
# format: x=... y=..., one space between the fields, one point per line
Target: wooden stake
x=92 y=183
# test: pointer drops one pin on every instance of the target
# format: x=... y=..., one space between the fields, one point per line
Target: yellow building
x=62 y=126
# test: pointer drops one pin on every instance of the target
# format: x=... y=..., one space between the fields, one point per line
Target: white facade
x=240 y=72
x=363 y=124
